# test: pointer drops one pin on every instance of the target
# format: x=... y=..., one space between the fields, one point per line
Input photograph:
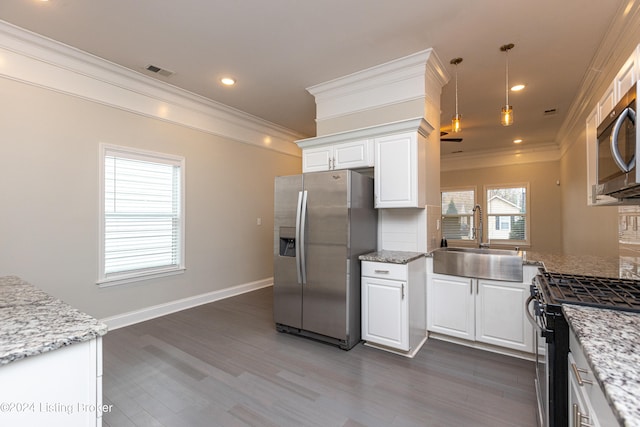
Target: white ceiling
x=277 y=48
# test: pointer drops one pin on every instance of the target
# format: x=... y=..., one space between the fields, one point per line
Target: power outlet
x=258 y=221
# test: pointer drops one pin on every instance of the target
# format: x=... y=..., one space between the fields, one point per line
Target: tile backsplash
x=406 y=229
x=629 y=240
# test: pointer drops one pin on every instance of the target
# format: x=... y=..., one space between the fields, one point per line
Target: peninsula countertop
x=393 y=257
x=33 y=322
x=610 y=340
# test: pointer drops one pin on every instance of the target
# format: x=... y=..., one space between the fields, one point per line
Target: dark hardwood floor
x=224 y=364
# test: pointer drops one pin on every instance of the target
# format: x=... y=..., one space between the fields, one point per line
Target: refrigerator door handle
x=303 y=223
x=298 y=240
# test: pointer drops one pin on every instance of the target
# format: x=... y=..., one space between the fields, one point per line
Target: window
x=503 y=223
x=507 y=213
x=142 y=221
x=457 y=214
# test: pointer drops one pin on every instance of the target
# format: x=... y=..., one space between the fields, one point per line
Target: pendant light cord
x=506 y=88
x=456 y=89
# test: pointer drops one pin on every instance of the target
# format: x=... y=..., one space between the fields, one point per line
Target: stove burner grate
x=603 y=292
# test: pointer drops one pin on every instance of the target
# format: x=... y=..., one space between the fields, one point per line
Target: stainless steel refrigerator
x=323 y=222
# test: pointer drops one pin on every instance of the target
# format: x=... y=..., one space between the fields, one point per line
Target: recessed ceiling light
x=517 y=141
x=517 y=88
x=228 y=81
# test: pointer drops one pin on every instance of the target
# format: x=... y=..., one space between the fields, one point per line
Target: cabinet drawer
x=384 y=270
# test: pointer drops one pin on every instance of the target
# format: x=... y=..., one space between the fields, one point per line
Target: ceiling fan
x=442 y=133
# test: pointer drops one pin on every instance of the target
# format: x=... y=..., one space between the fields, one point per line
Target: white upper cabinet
x=352 y=155
x=317 y=159
x=592 y=166
x=626 y=77
x=623 y=81
x=397 y=151
x=400 y=165
x=606 y=103
x=347 y=155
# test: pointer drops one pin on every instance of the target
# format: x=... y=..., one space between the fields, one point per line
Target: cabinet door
x=317 y=159
x=592 y=166
x=351 y=155
x=450 y=306
x=580 y=413
x=500 y=315
x=396 y=171
x=607 y=102
x=594 y=404
x=626 y=77
x=60 y=388
x=385 y=312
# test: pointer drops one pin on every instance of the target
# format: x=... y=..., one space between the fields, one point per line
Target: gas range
x=549 y=291
x=601 y=292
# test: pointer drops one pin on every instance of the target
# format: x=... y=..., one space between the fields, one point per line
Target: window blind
x=457 y=214
x=142 y=214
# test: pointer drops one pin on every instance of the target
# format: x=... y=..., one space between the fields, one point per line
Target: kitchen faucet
x=477 y=231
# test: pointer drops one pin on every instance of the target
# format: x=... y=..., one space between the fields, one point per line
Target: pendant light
x=506 y=117
x=456 y=125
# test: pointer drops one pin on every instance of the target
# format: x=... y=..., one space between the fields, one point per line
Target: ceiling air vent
x=550 y=112
x=158 y=70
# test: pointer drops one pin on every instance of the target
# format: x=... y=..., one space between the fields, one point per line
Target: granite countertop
x=392 y=257
x=33 y=322
x=610 y=340
x=625 y=265
x=617 y=267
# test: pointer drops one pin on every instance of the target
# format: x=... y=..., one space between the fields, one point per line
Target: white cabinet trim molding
x=393 y=82
x=39 y=61
x=417 y=124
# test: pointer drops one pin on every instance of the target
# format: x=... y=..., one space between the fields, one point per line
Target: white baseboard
x=482 y=346
x=136 y=316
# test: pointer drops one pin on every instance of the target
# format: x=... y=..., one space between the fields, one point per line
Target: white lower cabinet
x=451 y=306
x=385 y=312
x=588 y=405
x=393 y=312
x=61 y=387
x=500 y=315
x=480 y=310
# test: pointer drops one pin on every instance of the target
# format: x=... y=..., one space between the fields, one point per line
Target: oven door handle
x=527 y=306
x=540 y=326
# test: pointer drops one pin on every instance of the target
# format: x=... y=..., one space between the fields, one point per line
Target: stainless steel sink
x=482 y=263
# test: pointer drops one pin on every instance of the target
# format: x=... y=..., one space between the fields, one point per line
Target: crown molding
x=620 y=41
x=415 y=76
x=498 y=158
x=30 y=58
x=417 y=124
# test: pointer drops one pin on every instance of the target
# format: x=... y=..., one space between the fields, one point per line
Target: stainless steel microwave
x=618 y=143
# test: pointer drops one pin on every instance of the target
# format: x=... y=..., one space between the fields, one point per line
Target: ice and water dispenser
x=288 y=241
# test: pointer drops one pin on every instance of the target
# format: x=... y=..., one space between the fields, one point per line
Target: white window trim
x=475 y=201
x=119 y=279
x=527 y=223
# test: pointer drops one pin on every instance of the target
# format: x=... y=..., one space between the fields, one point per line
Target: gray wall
x=545 y=196
x=587 y=230
x=49 y=200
